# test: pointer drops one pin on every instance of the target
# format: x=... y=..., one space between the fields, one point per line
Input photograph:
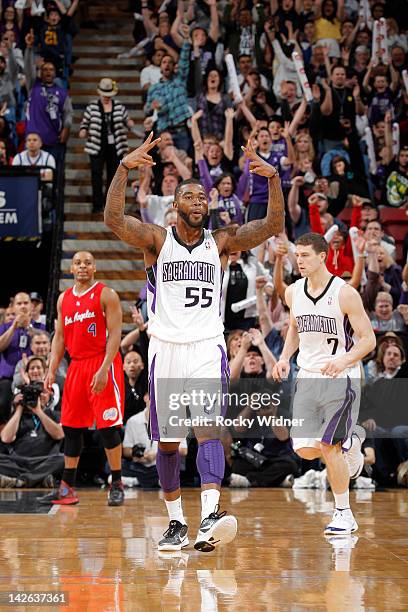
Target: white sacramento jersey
x=324 y=331
x=184 y=290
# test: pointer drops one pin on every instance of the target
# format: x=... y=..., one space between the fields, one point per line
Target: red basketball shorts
x=81 y=407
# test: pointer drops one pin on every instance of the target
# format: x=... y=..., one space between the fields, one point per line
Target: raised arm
x=29 y=63
x=195 y=128
x=282 y=368
x=243 y=108
x=183 y=171
x=279 y=283
x=293 y=199
x=367 y=77
x=326 y=107
x=255 y=232
x=340 y=10
x=265 y=320
x=174 y=31
x=147 y=236
x=229 y=133
x=297 y=117
x=214 y=31
x=149 y=25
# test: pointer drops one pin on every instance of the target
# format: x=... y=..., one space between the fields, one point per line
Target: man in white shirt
x=33 y=155
x=151 y=74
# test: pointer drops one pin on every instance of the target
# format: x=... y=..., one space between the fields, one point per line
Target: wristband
x=122 y=163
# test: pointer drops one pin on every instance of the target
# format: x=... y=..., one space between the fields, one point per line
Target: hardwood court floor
x=106 y=560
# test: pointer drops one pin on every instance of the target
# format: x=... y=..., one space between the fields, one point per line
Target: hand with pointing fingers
x=258 y=165
x=140 y=156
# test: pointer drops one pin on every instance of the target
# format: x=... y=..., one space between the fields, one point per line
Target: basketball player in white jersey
x=184 y=266
x=332 y=331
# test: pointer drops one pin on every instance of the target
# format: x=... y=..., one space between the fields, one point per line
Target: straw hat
x=107 y=88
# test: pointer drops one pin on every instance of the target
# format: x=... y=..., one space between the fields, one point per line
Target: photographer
x=264 y=457
x=33 y=433
x=14 y=342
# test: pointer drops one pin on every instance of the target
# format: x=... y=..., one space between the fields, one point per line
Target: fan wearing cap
x=105 y=125
x=37 y=307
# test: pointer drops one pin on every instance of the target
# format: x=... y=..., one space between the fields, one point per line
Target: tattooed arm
x=247 y=236
x=146 y=236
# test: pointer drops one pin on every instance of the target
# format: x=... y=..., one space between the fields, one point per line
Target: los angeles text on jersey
x=79 y=317
x=316 y=323
x=201 y=271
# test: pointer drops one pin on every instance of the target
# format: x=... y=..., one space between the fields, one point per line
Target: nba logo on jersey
x=92 y=295
x=329 y=300
x=207 y=245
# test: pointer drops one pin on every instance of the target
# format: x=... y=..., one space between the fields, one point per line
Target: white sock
x=209 y=499
x=175 y=510
x=342 y=500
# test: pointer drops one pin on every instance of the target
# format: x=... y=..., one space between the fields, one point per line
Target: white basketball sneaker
x=354 y=456
x=342 y=523
x=216 y=528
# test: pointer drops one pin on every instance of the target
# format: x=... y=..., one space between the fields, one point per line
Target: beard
x=186 y=219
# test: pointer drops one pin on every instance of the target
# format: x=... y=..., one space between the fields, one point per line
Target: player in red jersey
x=89 y=328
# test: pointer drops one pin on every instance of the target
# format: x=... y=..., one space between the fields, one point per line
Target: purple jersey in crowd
x=45 y=111
x=20 y=343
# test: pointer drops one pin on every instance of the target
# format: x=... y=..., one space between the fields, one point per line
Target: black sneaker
x=175 y=538
x=116 y=495
x=216 y=529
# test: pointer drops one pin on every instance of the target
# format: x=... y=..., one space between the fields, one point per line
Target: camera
x=252 y=456
x=138 y=450
x=31 y=392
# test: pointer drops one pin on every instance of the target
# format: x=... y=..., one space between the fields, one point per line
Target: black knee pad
x=110 y=437
x=74 y=441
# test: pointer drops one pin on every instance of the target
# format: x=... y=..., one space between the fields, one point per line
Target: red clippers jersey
x=84 y=322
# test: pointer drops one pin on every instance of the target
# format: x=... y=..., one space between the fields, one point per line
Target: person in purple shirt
x=228 y=200
x=49 y=109
x=14 y=343
x=275 y=149
x=381 y=96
